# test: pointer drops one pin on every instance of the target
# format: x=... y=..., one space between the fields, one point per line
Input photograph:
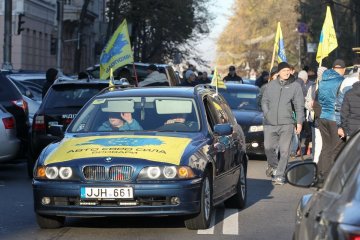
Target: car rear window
x=71 y=96
x=8 y=90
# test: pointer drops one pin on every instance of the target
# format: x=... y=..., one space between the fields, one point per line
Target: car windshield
x=241 y=100
x=67 y=96
x=162 y=114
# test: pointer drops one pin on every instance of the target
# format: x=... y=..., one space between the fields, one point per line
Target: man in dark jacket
x=350 y=111
x=263 y=79
x=332 y=144
x=232 y=76
x=51 y=75
x=280 y=97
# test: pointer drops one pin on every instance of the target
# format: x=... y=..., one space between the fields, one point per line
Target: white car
x=9 y=143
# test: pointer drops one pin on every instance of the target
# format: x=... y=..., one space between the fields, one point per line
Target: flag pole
x=136 y=77
x=272 y=59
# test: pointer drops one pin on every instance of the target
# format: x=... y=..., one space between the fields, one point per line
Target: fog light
x=45 y=201
x=175 y=200
x=254 y=144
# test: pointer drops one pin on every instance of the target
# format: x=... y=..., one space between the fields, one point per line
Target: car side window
x=211 y=118
x=345 y=163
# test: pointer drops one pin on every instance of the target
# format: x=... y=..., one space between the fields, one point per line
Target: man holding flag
x=117 y=52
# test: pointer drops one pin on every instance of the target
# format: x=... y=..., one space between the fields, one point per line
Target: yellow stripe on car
x=153 y=148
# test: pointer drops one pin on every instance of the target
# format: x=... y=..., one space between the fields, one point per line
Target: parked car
x=141 y=72
x=32 y=97
x=60 y=105
x=333 y=211
x=243 y=101
x=9 y=143
x=12 y=100
x=185 y=154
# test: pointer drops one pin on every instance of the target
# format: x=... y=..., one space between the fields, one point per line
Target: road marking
x=231 y=222
x=211 y=229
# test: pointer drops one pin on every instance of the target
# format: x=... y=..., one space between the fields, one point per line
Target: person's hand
x=127 y=117
x=341 y=133
x=298 y=128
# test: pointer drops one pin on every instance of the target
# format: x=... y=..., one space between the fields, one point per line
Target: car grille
x=113 y=173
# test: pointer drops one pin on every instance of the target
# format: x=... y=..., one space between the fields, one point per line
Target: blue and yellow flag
x=328 y=41
x=217 y=81
x=117 y=51
x=279 y=45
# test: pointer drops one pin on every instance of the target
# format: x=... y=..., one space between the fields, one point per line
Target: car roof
x=239 y=86
x=25 y=76
x=81 y=82
x=153 y=91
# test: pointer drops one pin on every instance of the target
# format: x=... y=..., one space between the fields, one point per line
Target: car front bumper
x=150 y=199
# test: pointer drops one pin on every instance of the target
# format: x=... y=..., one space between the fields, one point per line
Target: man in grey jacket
x=281 y=98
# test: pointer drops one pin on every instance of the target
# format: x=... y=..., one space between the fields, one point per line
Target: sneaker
x=279 y=181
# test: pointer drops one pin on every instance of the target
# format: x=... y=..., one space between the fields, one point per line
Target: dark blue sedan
x=144 y=152
x=243 y=100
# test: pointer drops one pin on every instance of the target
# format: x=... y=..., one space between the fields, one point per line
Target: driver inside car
x=120 y=122
x=182 y=119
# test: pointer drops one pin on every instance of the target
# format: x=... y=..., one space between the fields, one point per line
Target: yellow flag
x=279 y=45
x=117 y=51
x=217 y=81
x=328 y=41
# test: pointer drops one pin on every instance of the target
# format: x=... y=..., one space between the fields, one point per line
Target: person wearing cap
x=154 y=78
x=232 y=76
x=120 y=122
x=332 y=144
x=190 y=79
x=281 y=97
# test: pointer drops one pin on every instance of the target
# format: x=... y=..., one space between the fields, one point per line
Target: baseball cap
x=339 y=63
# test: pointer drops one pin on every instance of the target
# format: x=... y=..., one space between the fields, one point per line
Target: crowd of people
x=325 y=112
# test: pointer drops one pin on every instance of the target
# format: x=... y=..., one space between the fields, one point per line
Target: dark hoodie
x=350 y=110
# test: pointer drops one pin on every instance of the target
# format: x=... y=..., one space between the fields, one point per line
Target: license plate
x=93 y=192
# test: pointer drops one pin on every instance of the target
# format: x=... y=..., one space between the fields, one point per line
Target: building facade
x=35 y=47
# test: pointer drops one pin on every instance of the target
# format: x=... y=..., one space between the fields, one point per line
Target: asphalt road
x=269 y=214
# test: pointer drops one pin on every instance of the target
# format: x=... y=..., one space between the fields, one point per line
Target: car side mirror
x=56 y=130
x=302 y=174
x=223 y=129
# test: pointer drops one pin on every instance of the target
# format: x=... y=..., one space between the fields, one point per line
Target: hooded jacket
x=350 y=110
x=279 y=100
x=328 y=88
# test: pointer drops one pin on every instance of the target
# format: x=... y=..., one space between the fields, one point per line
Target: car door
x=224 y=158
x=316 y=220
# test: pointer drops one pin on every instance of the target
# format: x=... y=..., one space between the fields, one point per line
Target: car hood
x=248 y=117
x=165 y=149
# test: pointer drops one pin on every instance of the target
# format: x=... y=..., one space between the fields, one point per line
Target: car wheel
x=203 y=219
x=239 y=199
x=49 y=222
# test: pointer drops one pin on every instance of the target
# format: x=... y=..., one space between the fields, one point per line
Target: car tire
x=50 y=222
x=239 y=199
x=203 y=219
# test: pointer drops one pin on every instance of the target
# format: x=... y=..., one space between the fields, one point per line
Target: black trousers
x=331 y=146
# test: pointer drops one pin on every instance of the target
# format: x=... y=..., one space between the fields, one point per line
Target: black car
x=243 y=101
x=333 y=211
x=12 y=100
x=178 y=152
x=60 y=105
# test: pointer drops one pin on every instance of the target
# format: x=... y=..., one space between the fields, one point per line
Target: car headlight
x=165 y=173
x=259 y=128
x=44 y=172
